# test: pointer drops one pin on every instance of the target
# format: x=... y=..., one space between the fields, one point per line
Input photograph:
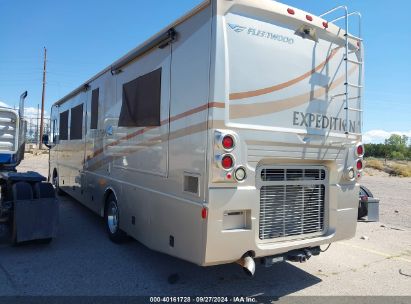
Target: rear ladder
x=348 y=61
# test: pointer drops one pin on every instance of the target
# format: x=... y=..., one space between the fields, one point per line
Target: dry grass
x=375 y=163
x=401 y=170
x=392 y=167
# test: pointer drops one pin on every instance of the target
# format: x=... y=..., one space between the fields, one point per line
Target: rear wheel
x=365 y=191
x=56 y=184
x=14 y=232
x=363 y=208
x=112 y=219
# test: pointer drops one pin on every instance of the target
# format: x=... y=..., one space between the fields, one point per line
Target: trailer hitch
x=302 y=255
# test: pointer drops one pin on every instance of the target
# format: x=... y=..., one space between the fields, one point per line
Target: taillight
x=360 y=165
x=325 y=24
x=228 y=142
x=309 y=18
x=204 y=213
x=359 y=150
x=290 y=11
x=227 y=162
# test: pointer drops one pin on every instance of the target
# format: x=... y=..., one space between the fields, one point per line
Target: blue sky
x=84 y=36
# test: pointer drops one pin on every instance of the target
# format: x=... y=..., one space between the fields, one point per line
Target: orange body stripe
x=239 y=111
x=201 y=108
x=242 y=95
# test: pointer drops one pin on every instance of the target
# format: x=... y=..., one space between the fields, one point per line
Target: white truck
x=233 y=134
x=28 y=204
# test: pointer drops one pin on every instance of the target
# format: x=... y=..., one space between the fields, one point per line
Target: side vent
x=191 y=184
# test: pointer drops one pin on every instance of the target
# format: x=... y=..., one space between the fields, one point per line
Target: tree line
x=396 y=147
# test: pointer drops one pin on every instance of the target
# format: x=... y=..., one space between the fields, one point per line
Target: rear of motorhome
x=234 y=134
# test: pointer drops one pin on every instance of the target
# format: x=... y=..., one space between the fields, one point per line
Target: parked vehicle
x=28 y=205
x=368 y=206
x=234 y=134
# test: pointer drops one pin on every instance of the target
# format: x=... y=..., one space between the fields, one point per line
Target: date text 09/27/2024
x=200 y=299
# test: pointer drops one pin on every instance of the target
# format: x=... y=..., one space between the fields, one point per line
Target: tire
x=112 y=221
x=55 y=182
x=365 y=191
x=14 y=232
x=363 y=208
x=44 y=190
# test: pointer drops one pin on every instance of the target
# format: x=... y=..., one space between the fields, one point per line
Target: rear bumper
x=225 y=246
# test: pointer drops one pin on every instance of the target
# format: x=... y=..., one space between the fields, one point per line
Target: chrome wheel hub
x=112 y=217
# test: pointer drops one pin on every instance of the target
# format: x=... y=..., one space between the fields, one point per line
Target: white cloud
x=29 y=112
x=379 y=136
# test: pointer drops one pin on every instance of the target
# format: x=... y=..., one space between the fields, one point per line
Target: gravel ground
x=81 y=261
x=395 y=196
x=37 y=163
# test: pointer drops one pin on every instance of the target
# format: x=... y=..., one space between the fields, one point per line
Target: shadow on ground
x=82 y=261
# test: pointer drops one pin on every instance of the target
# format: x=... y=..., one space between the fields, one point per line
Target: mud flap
x=35 y=219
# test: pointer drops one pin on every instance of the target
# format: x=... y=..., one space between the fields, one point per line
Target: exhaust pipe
x=248 y=264
x=21 y=104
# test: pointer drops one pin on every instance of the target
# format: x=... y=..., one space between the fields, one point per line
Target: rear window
x=76 y=124
x=141 y=101
x=63 y=128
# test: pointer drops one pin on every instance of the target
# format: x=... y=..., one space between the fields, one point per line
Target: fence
x=33 y=129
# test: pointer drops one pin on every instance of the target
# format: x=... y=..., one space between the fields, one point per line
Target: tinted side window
x=76 y=123
x=94 y=109
x=63 y=130
x=141 y=101
x=53 y=131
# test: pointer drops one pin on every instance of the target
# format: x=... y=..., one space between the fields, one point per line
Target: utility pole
x=43 y=95
x=37 y=127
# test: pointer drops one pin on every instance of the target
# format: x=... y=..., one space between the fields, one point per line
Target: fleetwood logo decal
x=261 y=34
x=236 y=28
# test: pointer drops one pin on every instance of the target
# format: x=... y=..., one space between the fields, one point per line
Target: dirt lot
x=81 y=261
x=395 y=196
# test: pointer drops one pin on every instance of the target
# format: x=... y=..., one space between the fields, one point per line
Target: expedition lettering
x=319 y=121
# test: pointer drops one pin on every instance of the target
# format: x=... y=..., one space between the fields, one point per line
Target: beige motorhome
x=232 y=135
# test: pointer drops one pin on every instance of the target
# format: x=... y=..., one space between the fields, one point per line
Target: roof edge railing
x=345 y=8
x=345 y=16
